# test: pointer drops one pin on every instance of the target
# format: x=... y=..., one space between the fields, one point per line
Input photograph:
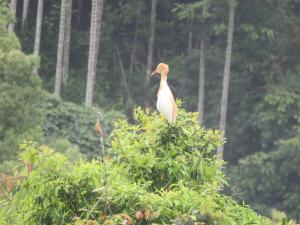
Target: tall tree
x=99 y=22
x=79 y=11
x=201 y=81
x=134 y=46
x=60 y=48
x=226 y=74
x=38 y=31
x=150 y=45
x=66 y=52
x=95 y=33
x=20 y=94
x=128 y=102
x=24 y=14
x=13 y=8
x=190 y=39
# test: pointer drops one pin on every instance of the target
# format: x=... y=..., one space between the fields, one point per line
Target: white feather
x=164 y=104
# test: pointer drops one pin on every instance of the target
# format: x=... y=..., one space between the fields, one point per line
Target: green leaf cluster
x=169 y=169
x=73 y=123
x=273 y=175
x=162 y=154
x=20 y=92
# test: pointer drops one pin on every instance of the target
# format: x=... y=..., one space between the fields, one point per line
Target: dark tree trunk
x=150 y=48
x=133 y=50
x=123 y=76
x=79 y=11
x=190 y=38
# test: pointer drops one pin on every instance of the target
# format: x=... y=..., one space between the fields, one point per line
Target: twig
x=103 y=159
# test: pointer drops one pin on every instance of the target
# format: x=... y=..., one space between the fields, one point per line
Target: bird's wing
x=174 y=108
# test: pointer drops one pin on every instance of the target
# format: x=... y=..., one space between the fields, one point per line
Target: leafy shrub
x=161 y=154
x=279 y=115
x=272 y=178
x=20 y=92
x=162 y=173
x=65 y=147
x=72 y=122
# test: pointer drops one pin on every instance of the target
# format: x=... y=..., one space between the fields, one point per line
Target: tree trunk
x=38 y=32
x=24 y=15
x=226 y=74
x=95 y=33
x=190 y=39
x=123 y=78
x=99 y=22
x=150 y=46
x=60 y=48
x=13 y=8
x=201 y=81
x=79 y=11
x=132 y=55
x=66 y=53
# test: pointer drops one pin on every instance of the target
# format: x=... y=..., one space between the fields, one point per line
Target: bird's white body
x=165 y=102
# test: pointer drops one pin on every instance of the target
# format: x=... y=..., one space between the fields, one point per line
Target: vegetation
x=20 y=93
x=129 y=38
x=155 y=173
x=69 y=121
x=266 y=171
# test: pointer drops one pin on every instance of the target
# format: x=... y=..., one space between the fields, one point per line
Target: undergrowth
x=156 y=173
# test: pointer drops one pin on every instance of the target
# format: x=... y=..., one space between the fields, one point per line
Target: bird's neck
x=163 y=78
x=163 y=81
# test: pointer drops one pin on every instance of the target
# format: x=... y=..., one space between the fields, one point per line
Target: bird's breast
x=164 y=104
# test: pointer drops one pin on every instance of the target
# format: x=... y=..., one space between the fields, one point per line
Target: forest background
x=79 y=75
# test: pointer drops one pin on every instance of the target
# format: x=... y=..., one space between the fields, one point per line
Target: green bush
x=279 y=116
x=273 y=179
x=20 y=92
x=161 y=154
x=270 y=179
x=75 y=123
x=167 y=173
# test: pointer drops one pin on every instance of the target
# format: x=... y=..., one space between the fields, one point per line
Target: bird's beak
x=154 y=72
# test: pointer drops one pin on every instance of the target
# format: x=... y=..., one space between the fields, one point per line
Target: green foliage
x=273 y=180
x=266 y=48
x=280 y=218
x=75 y=123
x=164 y=154
x=272 y=175
x=8 y=41
x=279 y=115
x=20 y=93
x=10 y=167
x=59 y=192
x=64 y=146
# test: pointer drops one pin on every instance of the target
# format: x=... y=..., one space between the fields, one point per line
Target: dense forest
x=63 y=64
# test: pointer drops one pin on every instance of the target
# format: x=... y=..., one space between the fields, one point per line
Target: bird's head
x=162 y=69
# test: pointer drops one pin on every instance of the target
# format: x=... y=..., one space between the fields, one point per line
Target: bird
x=165 y=101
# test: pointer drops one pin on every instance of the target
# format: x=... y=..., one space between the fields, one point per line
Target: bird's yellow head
x=162 y=69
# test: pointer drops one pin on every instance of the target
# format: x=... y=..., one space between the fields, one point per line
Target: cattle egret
x=165 y=100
